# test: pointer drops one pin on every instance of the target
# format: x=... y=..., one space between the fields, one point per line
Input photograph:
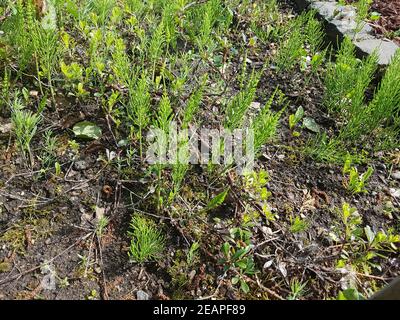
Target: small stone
x=396 y=175
x=34 y=93
x=5 y=128
x=268 y=264
x=141 y=295
x=395 y=193
x=255 y=105
x=81 y=165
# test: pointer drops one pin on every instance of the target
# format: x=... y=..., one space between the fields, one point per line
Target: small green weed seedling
x=25 y=124
x=297 y=289
x=355 y=182
x=294 y=119
x=255 y=185
x=217 y=200
x=147 y=241
x=298 y=224
x=237 y=257
x=101 y=226
x=5 y=90
x=49 y=154
x=351 y=220
x=184 y=266
x=364 y=245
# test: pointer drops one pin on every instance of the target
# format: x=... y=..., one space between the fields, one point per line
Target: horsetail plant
x=5 y=88
x=138 y=108
x=121 y=65
x=193 y=105
x=155 y=48
x=314 y=33
x=347 y=79
x=180 y=167
x=238 y=106
x=162 y=123
x=292 y=48
x=46 y=51
x=147 y=241
x=266 y=122
x=386 y=102
x=25 y=124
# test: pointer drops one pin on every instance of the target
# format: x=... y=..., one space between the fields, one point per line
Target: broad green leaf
x=244 y=286
x=369 y=234
x=350 y=294
x=295 y=118
x=242 y=264
x=217 y=201
x=87 y=130
x=225 y=249
x=311 y=125
x=235 y=280
x=240 y=253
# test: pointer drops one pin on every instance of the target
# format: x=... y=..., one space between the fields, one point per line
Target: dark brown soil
x=51 y=218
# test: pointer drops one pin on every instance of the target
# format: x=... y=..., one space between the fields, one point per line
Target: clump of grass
x=147 y=241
